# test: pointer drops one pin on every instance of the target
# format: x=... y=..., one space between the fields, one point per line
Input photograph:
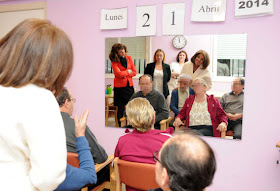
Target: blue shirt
x=76 y=178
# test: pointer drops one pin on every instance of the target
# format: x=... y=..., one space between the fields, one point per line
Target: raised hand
x=81 y=124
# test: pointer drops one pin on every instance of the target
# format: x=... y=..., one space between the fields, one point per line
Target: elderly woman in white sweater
x=197 y=68
x=36 y=59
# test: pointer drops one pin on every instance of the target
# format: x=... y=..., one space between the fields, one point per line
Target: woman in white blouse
x=160 y=72
x=197 y=68
x=36 y=59
x=202 y=113
x=176 y=68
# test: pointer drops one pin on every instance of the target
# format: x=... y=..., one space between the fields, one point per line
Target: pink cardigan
x=139 y=147
x=217 y=114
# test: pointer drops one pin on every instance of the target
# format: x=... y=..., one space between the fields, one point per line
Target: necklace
x=200 y=98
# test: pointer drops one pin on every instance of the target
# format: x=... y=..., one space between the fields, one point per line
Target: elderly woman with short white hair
x=202 y=113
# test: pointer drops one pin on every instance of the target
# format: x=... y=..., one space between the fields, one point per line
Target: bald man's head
x=189 y=162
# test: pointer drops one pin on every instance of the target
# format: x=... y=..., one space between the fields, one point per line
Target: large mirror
x=226 y=69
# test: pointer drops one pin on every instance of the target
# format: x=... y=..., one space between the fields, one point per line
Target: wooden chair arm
x=123 y=121
x=177 y=129
x=165 y=120
x=165 y=123
x=223 y=134
x=98 y=167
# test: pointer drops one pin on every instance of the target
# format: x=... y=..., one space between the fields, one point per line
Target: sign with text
x=208 y=10
x=113 y=18
x=146 y=20
x=250 y=8
x=173 y=19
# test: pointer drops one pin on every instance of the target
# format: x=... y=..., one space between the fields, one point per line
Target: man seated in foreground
x=185 y=162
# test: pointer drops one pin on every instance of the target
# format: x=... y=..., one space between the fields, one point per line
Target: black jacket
x=150 y=68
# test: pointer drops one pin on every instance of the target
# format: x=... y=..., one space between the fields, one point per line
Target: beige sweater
x=32 y=140
x=199 y=73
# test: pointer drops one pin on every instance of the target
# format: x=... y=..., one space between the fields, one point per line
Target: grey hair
x=201 y=80
x=185 y=76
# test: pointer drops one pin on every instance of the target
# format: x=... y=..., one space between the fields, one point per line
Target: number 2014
x=249 y=4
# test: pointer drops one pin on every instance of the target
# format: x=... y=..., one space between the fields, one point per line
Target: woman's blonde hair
x=35 y=52
x=155 y=55
x=140 y=114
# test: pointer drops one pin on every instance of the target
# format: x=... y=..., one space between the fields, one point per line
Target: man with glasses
x=185 y=162
x=232 y=104
x=66 y=104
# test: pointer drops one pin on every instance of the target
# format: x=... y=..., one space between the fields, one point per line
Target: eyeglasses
x=155 y=156
x=73 y=99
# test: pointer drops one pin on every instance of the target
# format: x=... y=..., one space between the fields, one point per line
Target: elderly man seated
x=179 y=95
x=185 y=162
x=156 y=99
x=232 y=104
x=66 y=104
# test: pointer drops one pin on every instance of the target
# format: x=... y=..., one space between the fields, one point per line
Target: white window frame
x=213 y=66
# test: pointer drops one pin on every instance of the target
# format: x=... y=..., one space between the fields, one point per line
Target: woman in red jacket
x=124 y=70
x=203 y=113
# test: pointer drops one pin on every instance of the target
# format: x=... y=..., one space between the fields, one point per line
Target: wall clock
x=179 y=41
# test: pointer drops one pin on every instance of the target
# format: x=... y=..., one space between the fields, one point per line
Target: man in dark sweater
x=156 y=99
x=66 y=104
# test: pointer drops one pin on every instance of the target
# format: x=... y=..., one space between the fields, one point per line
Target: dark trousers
x=121 y=98
x=102 y=175
x=236 y=127
x=205 y=130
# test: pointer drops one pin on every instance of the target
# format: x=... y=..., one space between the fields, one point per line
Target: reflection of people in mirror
x=36 y=59
x=155 y=98
x=222 y=68
x=140 y=144
x=124 y=70
x=232 y=103
x=160 y=72
x=176 y=68
x=197 y=68
x=203 y=113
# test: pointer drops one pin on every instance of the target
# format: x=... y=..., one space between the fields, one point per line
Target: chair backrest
x=133 y=174
x=72 y=159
